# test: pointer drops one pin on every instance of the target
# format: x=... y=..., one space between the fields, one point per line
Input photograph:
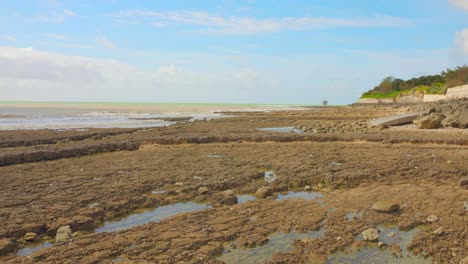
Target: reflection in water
x=278 y=242
x=29 y=250
x=245 y=198
x=154 y=216
x=280 y=129
x=301 y=195
x=373 y=254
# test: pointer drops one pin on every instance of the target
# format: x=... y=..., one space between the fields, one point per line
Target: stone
x=464 y=183
x=30 y=236
x=381 y=244
x=227 y=198
x=391 y=234
x=385 y=206
x=432 y=219
x=307 y=188
x=203 y=190
x=6 y=245
x=438 y=232
x=64 y=234
x=264 y=192
x=370 y=235
x=450 y=162
x=429 y=121
x=78 y=234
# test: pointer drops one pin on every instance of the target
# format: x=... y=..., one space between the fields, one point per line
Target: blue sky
x=223 y=51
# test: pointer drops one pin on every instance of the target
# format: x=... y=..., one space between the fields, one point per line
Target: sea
x=84 y=115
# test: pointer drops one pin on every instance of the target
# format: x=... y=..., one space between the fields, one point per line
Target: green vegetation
x=391 y=87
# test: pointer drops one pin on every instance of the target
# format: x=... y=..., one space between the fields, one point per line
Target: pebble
x=370 y=235
x=30 y=236
x=432 y=219
x=203 y=190
x=385 y=206
x=438 y=232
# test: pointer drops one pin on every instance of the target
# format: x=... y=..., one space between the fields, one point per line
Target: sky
x=227 y=51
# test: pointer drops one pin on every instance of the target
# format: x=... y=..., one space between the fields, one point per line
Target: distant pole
x=325 y=103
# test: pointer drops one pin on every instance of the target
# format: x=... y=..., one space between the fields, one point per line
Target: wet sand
x=86 y=179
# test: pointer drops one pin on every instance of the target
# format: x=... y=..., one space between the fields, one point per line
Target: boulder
x=385 y=206
x=264 y=192
x=30 y=236
x=203 y=190
x=429 y=121
x=370 y=235
x=226 y=198
x=64 y=234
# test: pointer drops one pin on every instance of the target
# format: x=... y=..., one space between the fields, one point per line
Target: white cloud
x=462 y=4
x=9 y=38
x=54 y=36
x=245 y=25
x=69 y=13
x=461 y=41
x=106 y=43
x=29 y=74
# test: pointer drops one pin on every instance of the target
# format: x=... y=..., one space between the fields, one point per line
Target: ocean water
x=65 y=116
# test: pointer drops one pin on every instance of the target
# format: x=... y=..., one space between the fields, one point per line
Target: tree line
x=431 y=84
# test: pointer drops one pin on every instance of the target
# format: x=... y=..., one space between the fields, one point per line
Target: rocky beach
x=316 y=185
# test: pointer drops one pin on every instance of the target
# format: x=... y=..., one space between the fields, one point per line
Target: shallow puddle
x=270 y=176
x=373 y=254
x=29 y=250
x=278 y=242
x=299 y=195
x=152 y=216
x=245 y=198
x=351 y=216
x=280 y=129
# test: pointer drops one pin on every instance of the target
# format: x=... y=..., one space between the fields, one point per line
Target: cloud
x=9 y=38
x=56 y=18
x=462 y=4
x=69 y=13
x=30 y=74
x=245 y=25
x=54 y=36
x=461 y=41
x=106 y=43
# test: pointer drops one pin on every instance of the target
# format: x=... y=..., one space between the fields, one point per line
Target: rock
x=64 y=234
x=30 y=236
x=385 y=206
x=464 y=183
x=438 y=232
x=381 y=244
x=307 y=188
x=78 y=234
x=264 y=192
x=429 y=121
x=226 y=198
x=203 y=190
x=450 y=162
x=6 y=245
x=391 y=234
x=370 y=235
x=432 y=219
